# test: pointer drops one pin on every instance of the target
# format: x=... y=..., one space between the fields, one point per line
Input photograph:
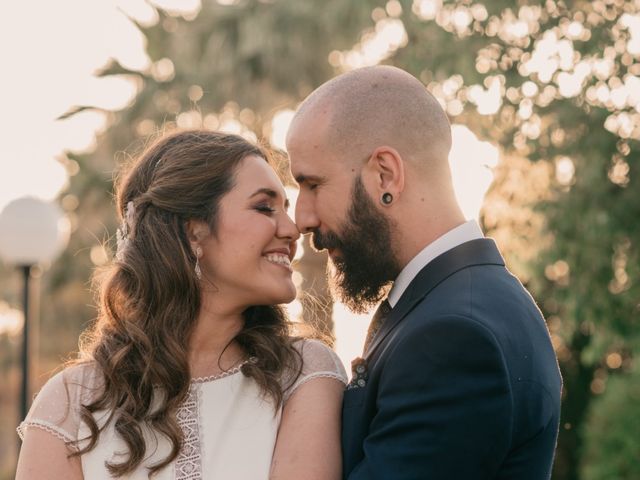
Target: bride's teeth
x=279 y=259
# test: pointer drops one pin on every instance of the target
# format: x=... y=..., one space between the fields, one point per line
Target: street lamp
x=32 y=232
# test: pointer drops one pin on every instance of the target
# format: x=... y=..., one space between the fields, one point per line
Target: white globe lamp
x=32 y=232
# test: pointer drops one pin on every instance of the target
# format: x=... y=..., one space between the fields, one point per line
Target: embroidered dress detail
x=189 y=461
x=336 y=376
x=47 y=427
x=231 y=371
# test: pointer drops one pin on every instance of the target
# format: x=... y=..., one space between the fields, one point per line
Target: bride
x=190 y=371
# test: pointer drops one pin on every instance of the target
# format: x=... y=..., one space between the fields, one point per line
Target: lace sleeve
x=56 y=407
x=318 y=361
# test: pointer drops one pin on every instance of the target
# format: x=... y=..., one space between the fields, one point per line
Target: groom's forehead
x=308 y=130
x=307 y=157
x=315 y=164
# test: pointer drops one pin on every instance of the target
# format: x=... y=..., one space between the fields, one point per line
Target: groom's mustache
x=325 y=241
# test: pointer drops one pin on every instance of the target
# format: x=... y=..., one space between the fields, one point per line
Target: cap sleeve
x=318 y=360
x=56 y=408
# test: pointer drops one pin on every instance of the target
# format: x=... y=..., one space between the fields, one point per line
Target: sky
x=49 y=63
x=50 y=60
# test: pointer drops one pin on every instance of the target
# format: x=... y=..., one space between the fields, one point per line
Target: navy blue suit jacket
x=462 y=380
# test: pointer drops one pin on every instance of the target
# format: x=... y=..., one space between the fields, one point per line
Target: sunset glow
x=55 y=68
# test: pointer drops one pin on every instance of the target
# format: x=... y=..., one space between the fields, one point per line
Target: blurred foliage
x=567 y=76
x=555 y=84
x=612 y=438
x=232 y=67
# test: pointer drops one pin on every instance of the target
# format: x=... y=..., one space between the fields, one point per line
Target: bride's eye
x=264 y=208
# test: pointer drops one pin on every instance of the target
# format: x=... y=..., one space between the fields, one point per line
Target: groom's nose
x=306 y=216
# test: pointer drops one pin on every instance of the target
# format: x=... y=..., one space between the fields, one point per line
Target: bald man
x=458 y=378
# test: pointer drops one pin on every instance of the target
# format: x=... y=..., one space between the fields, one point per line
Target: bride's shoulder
x=316 y=354
x=56 y=407
x=317 y=361
x=74 y=384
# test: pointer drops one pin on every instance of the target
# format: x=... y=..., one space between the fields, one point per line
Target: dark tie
x=376 y=322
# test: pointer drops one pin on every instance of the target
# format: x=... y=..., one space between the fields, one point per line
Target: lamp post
x=32 y=232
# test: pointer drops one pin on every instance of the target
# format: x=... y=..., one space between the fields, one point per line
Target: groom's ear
x=386 y=171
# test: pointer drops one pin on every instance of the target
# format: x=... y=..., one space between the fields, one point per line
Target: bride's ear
x=196 y=231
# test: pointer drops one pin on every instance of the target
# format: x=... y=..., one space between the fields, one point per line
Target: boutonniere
x=359 y=373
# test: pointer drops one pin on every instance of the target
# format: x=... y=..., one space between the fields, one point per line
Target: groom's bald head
x=361 y=110
x=369 y=150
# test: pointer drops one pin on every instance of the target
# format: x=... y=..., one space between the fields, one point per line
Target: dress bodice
x=229 y=426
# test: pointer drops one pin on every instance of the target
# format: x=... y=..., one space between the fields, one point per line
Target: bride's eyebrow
x=270 y=193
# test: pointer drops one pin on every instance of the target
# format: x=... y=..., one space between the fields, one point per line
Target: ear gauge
x=386 y=199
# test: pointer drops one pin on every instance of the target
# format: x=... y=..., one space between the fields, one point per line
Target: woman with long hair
x=191 y=370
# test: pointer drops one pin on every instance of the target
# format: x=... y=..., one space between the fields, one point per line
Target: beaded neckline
x=226 y=373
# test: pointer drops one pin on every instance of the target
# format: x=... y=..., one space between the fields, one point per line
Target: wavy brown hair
x=150 y=296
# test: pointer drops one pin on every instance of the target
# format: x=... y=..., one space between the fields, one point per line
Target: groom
x=458 y=378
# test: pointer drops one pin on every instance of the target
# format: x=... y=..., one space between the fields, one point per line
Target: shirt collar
x=469 y=230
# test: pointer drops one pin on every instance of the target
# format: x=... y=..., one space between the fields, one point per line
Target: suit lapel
x=475 y=252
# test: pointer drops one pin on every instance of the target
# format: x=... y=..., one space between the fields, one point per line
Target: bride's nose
x=287 y=228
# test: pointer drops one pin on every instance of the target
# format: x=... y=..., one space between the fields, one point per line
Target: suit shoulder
x=451 y=339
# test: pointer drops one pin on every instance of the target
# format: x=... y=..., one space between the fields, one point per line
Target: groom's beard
x=366 y=264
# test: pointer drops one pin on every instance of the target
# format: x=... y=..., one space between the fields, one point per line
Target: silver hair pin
x=122 y=234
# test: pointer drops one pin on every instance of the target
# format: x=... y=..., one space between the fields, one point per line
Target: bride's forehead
x=255 y=173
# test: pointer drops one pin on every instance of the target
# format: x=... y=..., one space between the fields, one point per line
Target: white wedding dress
x=229 y=427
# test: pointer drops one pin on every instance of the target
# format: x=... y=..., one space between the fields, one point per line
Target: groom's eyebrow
x=302 y=179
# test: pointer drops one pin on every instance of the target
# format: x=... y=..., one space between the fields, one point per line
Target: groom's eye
x=309 y=182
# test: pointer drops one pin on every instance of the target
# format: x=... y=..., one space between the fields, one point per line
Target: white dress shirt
x=469 y=230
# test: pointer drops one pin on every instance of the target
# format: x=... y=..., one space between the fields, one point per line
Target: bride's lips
x=282 y=251
x=279 y=256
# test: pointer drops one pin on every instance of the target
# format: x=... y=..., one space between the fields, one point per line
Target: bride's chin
x=290 y=296
x=283 y=295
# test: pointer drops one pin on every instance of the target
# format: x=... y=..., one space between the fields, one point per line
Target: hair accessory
x=122 y=234
x=386 y=198
x=198 y=270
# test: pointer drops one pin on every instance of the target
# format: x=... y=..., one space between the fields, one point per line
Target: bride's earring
x=197 y=268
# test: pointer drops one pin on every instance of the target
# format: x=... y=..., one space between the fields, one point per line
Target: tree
x=611 y=445
x=558 y=84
